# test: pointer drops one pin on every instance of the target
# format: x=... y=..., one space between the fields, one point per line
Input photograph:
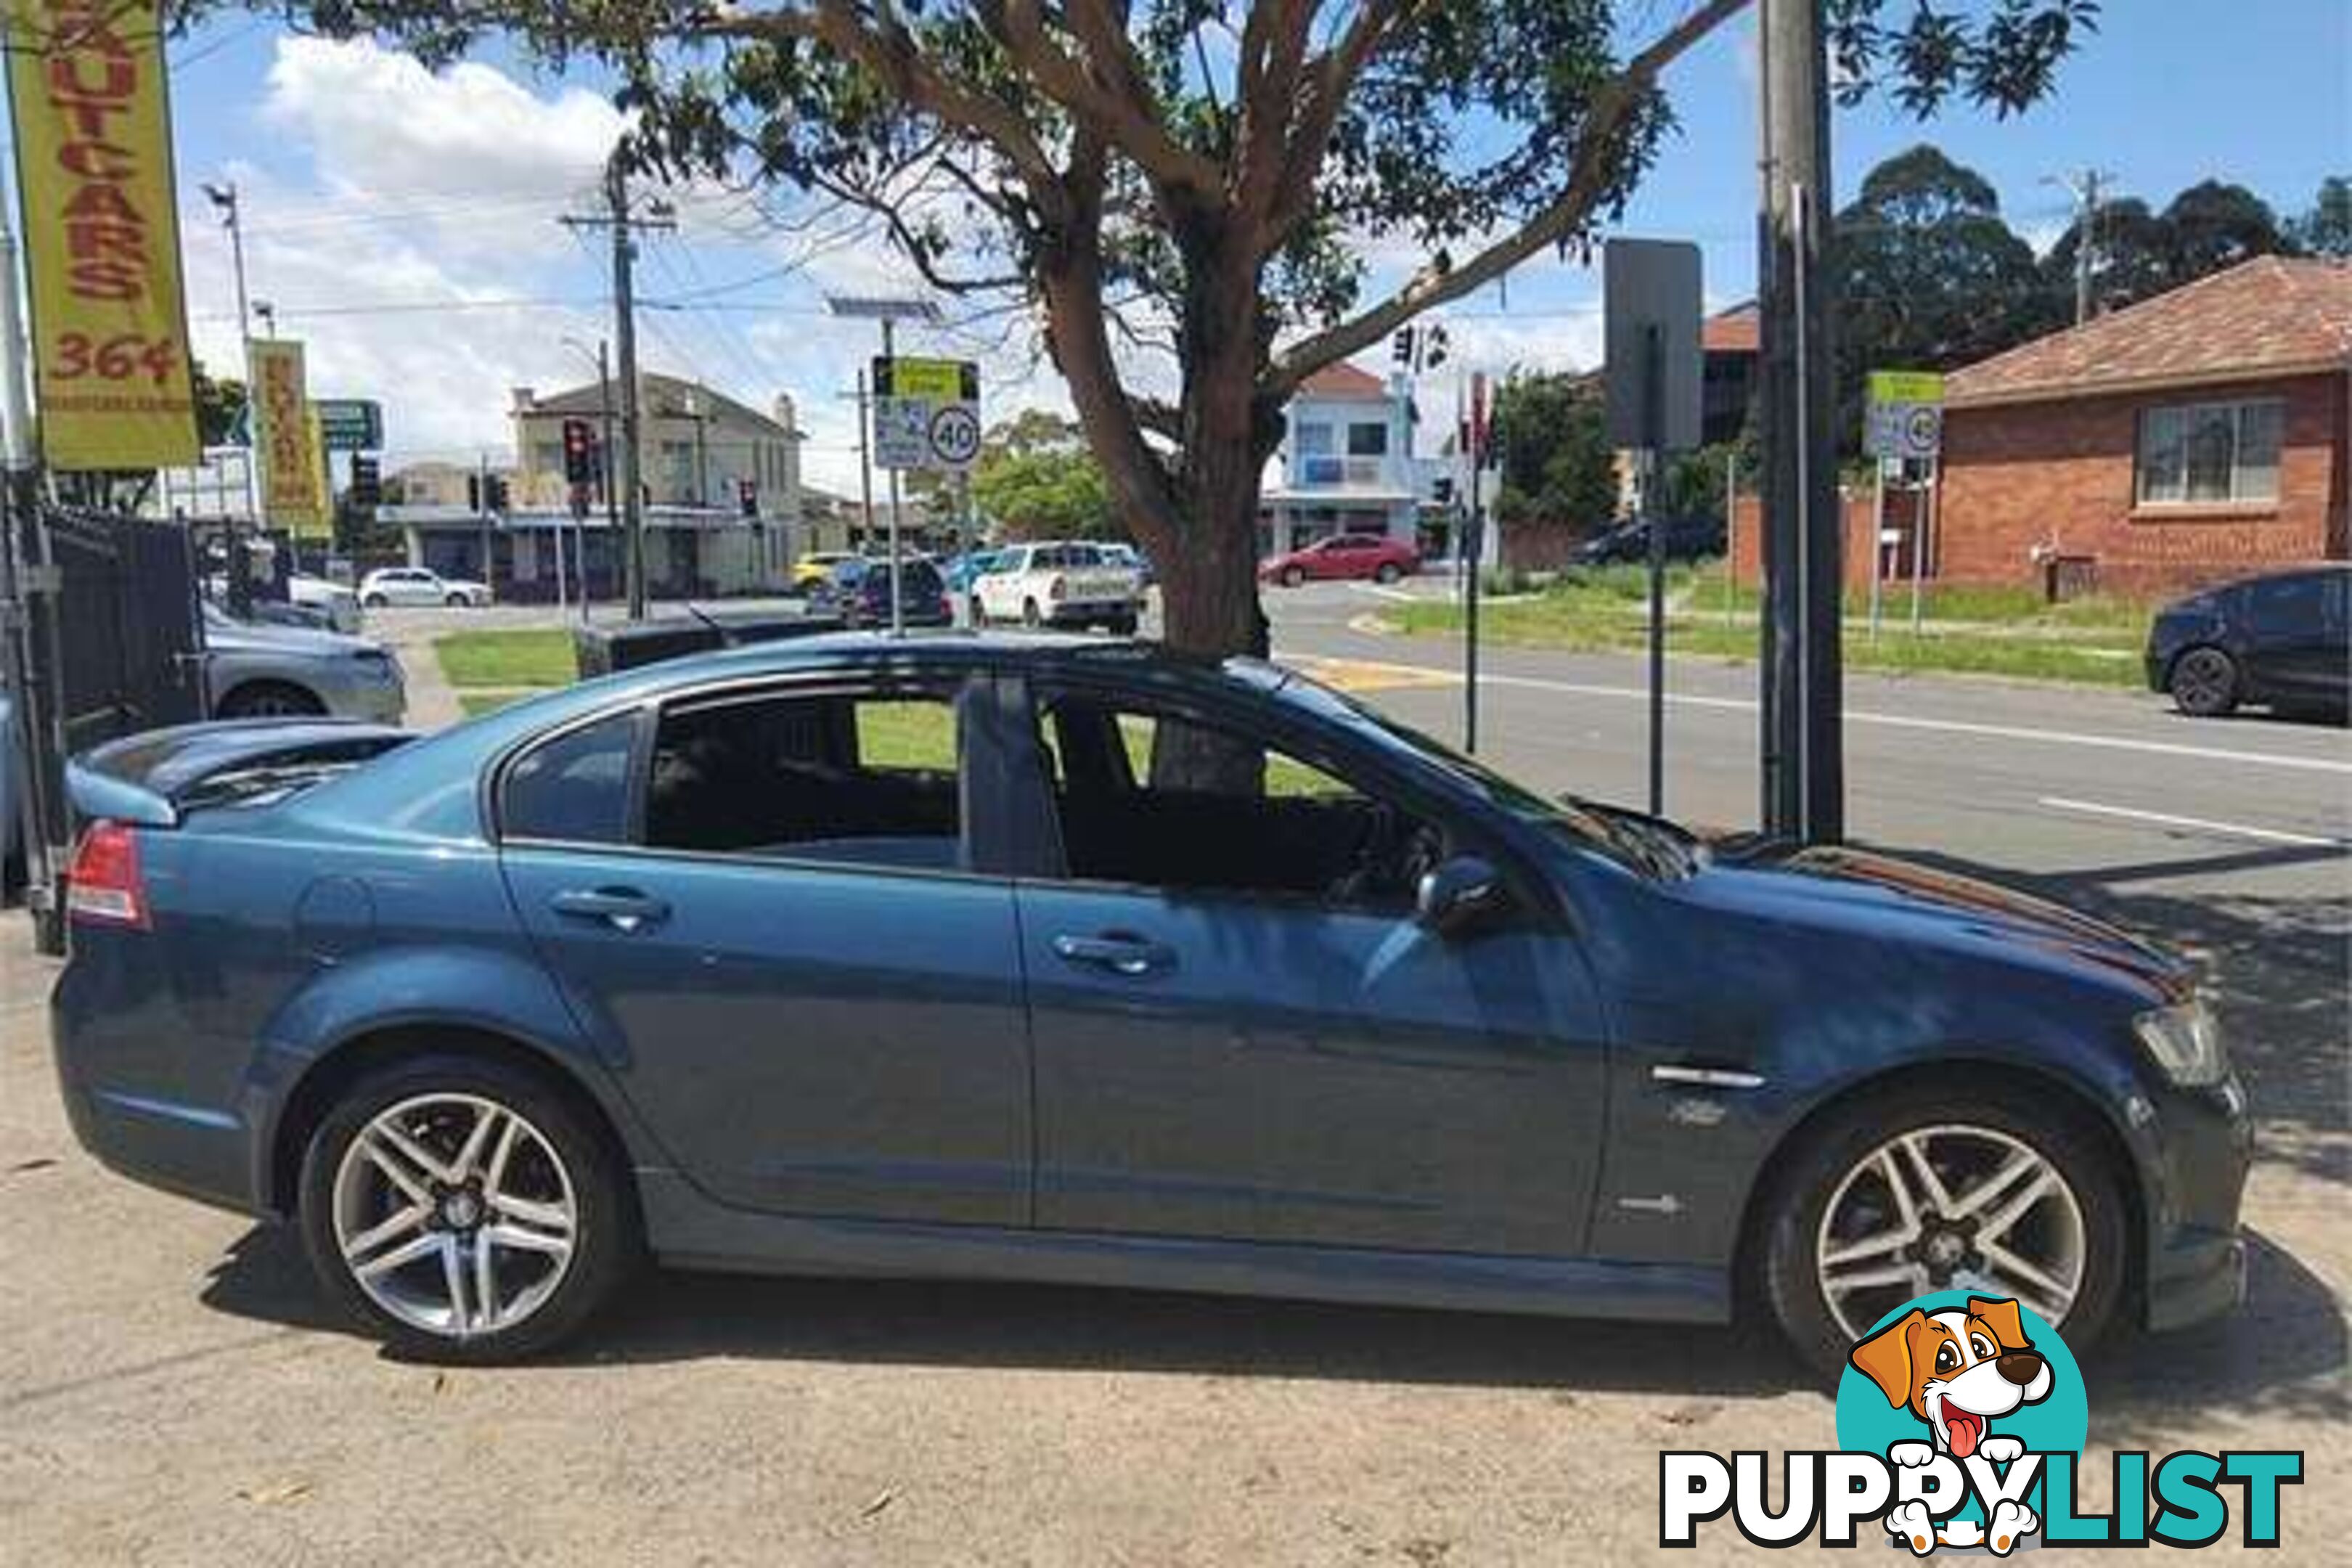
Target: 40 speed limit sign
x=927 y=413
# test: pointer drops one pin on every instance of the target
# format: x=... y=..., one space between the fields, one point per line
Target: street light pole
x=225 y=196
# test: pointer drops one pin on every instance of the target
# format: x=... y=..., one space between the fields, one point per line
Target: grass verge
x=508 y=658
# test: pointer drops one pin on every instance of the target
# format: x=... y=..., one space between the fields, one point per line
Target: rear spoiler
x=151 y=780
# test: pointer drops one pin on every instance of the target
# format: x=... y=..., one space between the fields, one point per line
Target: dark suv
x=2283 y=641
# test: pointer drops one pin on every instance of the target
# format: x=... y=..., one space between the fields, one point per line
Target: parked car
x=338 y=604
x=818 y=565
x=1146 y=574
x=415 y=585
x=866 y=956
x=253 y=671
x=1057 y=582
x=2279 y=641
x=859 y=592
x=1343 y=556
x=1687 y=538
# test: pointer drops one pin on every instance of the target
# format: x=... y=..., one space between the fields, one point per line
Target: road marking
x=1900 y=722
x=2197 y=823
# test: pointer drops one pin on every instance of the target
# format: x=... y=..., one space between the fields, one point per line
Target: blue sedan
x=906 y=957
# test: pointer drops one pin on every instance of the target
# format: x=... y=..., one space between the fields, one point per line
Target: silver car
x=255 y=671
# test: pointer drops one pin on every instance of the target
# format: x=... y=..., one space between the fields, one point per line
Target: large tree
x=1200 y=174
x=1931 y=276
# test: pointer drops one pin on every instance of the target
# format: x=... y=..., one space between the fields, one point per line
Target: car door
x=779 y=933
x=2292 y=654
x=1224 y=1050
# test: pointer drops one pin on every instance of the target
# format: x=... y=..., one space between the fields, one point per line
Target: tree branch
x=1433 y=285
x=1127 y=121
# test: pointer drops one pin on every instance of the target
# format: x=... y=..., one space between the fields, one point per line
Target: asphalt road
x=170 y=1392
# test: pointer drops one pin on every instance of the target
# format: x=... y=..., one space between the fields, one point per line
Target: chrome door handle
x=625 y=909
x=1130 y=956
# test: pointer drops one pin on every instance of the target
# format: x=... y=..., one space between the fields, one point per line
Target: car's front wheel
x=1942 y=1188
x=465 y=1210
x=2204 y=682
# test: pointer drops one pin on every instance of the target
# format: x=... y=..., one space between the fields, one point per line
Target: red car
x=1373 y=555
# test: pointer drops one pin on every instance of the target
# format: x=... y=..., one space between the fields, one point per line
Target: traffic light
x=579 y=452
x=367 y=482
x=747 y=497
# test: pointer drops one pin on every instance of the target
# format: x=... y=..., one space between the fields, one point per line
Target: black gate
x=132 y=649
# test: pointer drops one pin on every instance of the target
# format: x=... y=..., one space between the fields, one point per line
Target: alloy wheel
x=455 y=1215
x=2204 y=680
x=1949 y=1207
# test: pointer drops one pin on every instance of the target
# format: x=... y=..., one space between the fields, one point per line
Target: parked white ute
x=416 y=586
x=1058 y=584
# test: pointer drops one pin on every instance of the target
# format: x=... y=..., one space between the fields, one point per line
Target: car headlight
x=2186 y=1042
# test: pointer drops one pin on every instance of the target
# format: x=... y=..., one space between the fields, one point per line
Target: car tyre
x=270 y=699
x=1292 y=577
x=2204 y=683
x=1839 y=1160
x=559 y=1162
x=1387 y=571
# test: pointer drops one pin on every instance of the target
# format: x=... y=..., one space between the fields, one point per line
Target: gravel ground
x=169 y=1394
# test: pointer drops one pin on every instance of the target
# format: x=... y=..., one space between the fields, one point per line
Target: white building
x=1347 y=461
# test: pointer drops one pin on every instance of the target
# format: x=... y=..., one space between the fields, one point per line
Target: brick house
x=2196 y=435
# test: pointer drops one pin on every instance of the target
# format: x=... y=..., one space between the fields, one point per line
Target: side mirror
x=1459 y=893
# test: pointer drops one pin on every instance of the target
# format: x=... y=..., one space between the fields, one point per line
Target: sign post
x=1903 y=424
x=1650 y=292
x=926 y=418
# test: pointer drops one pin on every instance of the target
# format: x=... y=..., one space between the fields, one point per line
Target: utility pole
x=2085 y=184
x=1803 y=729
x=617 y=217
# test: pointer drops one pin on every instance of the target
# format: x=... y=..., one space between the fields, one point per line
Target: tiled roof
x=1738 y=331
x=2271 y=316
x=1343 y=380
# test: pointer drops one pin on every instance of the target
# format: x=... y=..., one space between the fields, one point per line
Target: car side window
x=1181 y=804
x=2287 y=605
x=861 y=778
x=574 y=788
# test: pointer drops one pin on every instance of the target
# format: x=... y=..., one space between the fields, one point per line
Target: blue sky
x=368 y=185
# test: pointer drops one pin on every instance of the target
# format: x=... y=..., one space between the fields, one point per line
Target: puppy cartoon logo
x=1957 y=1372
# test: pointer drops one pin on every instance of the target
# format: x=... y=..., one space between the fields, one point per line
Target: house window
x=1314 y=440
x=2209 y=452
x=1368 y=440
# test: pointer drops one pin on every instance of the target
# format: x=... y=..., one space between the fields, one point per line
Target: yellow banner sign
x=101 y=234
x=1905 y=386
x=291 y=495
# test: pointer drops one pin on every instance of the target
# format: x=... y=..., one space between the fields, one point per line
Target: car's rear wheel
x=1292 y=577
x=465 y=1210
x=270 y=699
x=1387 y=572
x=2204 y=683
x=1941 y=1188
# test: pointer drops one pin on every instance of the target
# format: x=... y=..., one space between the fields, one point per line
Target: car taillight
x=1060 y=589
x=104 y=887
